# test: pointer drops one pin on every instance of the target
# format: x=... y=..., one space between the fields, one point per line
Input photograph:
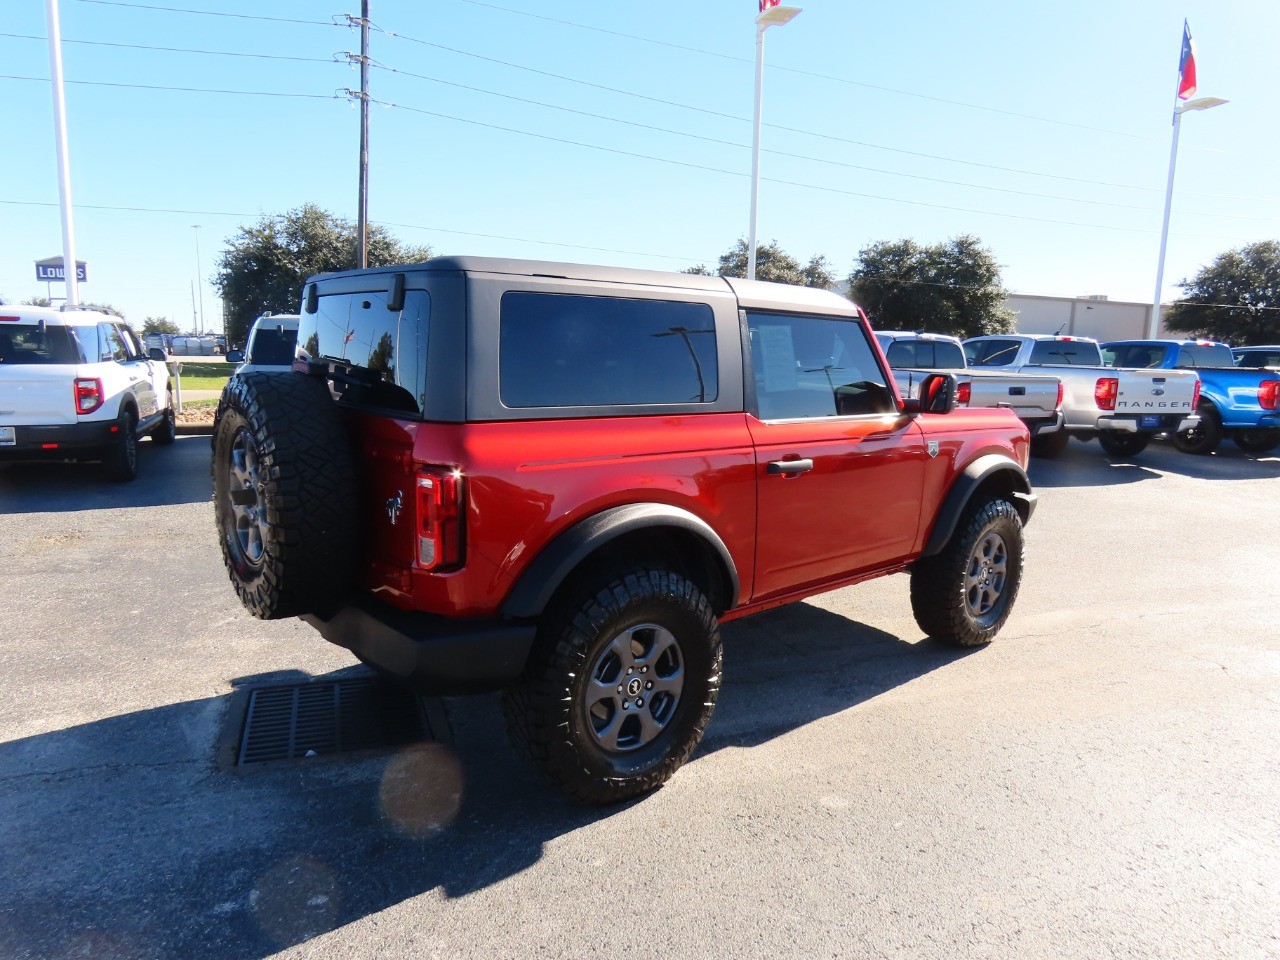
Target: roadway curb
x=195 y=429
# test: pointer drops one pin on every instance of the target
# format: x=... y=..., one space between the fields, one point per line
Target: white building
x=1090 y=316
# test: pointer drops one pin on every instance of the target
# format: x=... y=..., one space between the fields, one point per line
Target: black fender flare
x=971 y=479
x=540 y=580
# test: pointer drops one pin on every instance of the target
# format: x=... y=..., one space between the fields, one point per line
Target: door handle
x=789 y=468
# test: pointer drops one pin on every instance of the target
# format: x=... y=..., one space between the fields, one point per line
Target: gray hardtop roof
x=1170 y=340
x=916 y=334
x=756 y=294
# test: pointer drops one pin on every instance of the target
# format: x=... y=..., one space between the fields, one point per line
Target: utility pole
x=362 y=217
x=64 y=162
x=199 y=279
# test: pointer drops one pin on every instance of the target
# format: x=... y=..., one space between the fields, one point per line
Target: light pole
x=199 y=279
x=64 y=161
x=770 y=16
x=1203 y=103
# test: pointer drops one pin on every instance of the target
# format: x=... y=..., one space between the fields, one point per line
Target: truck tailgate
x=1029 y=396
x=30 y=394
x=1156 y=391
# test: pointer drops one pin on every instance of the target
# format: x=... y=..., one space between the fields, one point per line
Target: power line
x=807 y=73
x=143 y=46
x=211 y=13
x=795 y=156
x=808 y=133
x=791 y=183
x=150 y=86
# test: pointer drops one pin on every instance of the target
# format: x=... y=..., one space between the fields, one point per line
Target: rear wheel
x=620 y=685
x=1204 y=437
x=284 y=494
x=1118 y=444
x=1050 y=445
x=166 y=432
x=1258 y=441
x=121 y=462
x=963 y=595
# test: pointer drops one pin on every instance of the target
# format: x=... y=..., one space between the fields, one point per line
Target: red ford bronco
x=558 y=480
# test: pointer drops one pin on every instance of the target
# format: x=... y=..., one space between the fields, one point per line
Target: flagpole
x=755 y=153
x=54 y=28
x=1154 y=330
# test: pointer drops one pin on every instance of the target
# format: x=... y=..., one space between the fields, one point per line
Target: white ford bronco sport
x=78 y=385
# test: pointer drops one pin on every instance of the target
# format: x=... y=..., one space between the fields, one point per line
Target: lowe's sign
x=50 y=270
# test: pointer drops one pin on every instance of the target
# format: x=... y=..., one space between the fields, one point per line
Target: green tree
x=1235 y=299
x=265 y=266
x=38 y=302
x=159 y=325
x=952 y=287
x=772 y=263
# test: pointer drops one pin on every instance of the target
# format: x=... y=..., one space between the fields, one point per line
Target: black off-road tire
x=1050 y=445
x=1204 y=438
x=1117 y=444
x=121 y=461
x=1258 y=441
x=943 y=586
x=549 y=709
x=290 y=541
x=166 y=432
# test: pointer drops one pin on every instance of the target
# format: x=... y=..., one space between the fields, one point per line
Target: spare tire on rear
x=284 y=494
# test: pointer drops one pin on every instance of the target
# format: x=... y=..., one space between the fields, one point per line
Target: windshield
x=991 y=353
x=26 y=344
x=1259 y=358
x=925 y=355
x=1210 y=356
x=1134 y=355
x=271 y=345
x=1070 y=353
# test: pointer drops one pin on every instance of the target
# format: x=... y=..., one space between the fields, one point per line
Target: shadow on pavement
x=166 y=475
x=1085 y=465
x=127 y=836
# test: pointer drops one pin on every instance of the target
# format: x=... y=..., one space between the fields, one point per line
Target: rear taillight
x=88 y=394
x=440 y=516
x=1058 y=405
x=1269 y=394
x=1195 y=395
x=964 y=392
x=1105 y=392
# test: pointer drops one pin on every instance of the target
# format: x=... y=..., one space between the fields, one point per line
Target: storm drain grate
x=289 y=721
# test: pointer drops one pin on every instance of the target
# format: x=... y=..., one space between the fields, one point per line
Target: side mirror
x=235 y=356
x=937 y=395
x=156 y=354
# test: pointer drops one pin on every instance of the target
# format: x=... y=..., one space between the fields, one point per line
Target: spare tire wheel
x=284 y=494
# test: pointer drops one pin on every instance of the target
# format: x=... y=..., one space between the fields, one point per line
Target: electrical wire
x=143 y=46
x=211 y=13
x=150 y=86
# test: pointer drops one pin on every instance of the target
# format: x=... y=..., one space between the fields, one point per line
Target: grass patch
x=188 y=406
x=203 y=383
x=220 y=369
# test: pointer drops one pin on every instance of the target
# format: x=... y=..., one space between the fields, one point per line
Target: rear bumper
x=68 y=441
x=431 y=654
x=1163 y=422
x=1043 y=425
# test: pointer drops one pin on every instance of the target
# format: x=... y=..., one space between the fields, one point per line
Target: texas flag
x=1186 y=65
x=766 y=4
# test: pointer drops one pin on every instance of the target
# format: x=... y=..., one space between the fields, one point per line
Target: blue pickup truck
x=1239 y=402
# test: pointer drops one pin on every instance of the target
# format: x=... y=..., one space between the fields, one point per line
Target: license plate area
x=8 y=437
x=1149 y=420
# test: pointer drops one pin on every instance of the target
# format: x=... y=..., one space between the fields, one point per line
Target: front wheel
x=963 y=595
x=1204 y=437
x=1258 y=441
x=620 y=685
x=1117 y=444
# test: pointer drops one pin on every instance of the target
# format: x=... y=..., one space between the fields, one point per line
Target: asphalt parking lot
x=1101 y=781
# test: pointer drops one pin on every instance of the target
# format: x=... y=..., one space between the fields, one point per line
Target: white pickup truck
x=77 y=385
x=1037 y=400
x=1123 y=408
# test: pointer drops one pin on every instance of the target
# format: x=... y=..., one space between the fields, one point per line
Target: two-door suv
x=558 y=480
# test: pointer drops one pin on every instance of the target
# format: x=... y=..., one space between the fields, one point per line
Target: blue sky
x=619 y=132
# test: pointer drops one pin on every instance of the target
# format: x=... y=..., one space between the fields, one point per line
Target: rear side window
x=1134 y=355
x=25 y=344
x=1068 y=353
x=925 y=355
x=809 y=367
x=1214 y=356
x=272 y=345
x=991 y=353
x=380 y=355
x=110 y=344
x=562 y=350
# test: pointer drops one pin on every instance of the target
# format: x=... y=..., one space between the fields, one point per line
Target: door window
x=809 y=367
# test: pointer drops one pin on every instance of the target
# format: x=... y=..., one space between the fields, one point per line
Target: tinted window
x=991 y=353
x=559 y=350
x=271 y=345
x=1134 y=355
x=110 y=346
x=381 y=352
x=1207 y=356
x=1073 y=353
x=925 y=355
x=814 y=367
x=1259 y=358
x=25 y=344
